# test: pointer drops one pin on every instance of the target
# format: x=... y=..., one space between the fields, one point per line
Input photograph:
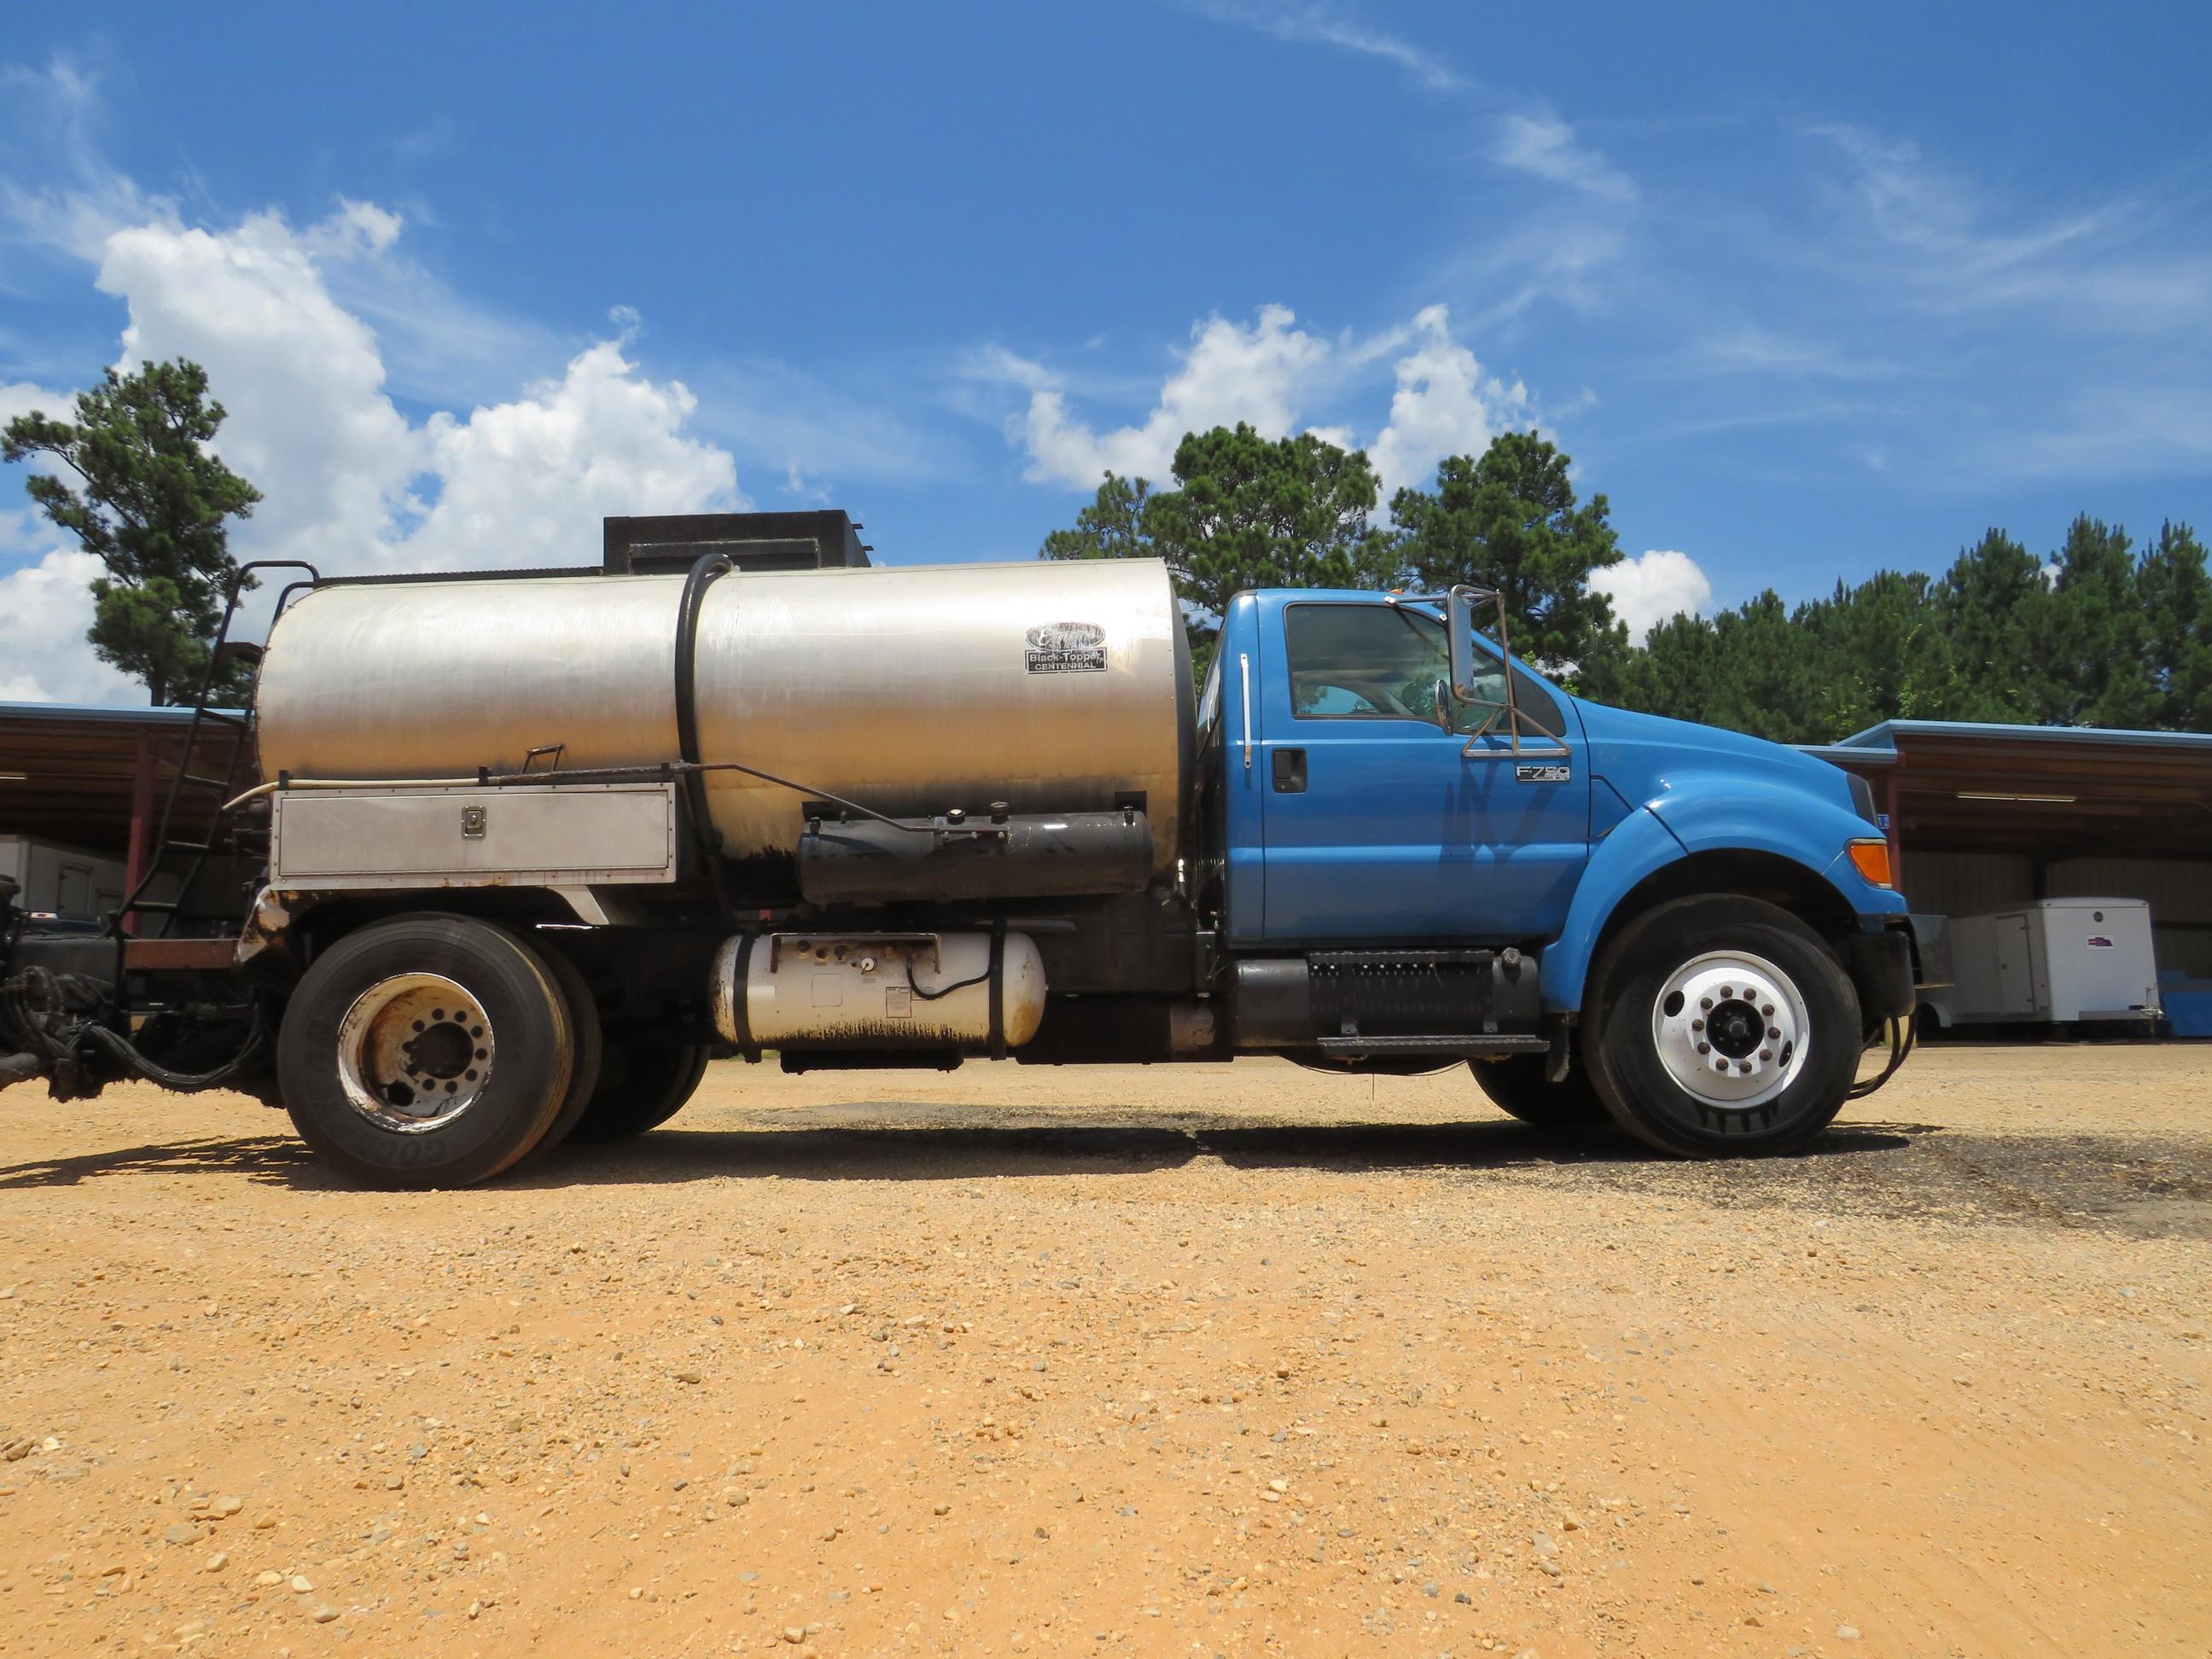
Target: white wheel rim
x=415 y=1051
x=1731 y=1028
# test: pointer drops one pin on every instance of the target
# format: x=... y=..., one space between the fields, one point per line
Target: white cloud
x=21 y=397
x=349 y=482
x=1442 y=406
x=78 y=202
x=1265 y=376
x=1230 y=373
x=303 y=380
x=1320 y=25
x=1652 y=588
x=45 y=608
x=526 y=482
x=1544 y=146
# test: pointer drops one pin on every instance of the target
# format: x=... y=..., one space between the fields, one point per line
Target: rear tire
x=590 y=1047
x=1516 y=1086
x=641 y=1085
x=425 y=1051
x=1721 y=1026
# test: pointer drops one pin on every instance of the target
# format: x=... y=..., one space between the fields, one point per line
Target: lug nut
x=1768 y=1011
x=1705 y=1048
x=1743 y=1066
x=1704 y=1002
x=1767 y=1054
x=1727 y=991
x=1697 y=1025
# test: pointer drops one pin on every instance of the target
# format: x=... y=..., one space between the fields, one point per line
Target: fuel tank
x=1049 y=686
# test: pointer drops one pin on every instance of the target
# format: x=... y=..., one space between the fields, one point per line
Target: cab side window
x=1373 y=662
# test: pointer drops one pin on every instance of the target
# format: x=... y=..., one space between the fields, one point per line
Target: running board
x=1452 y=1046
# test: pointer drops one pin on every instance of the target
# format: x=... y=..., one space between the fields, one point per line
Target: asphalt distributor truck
x=533 y=848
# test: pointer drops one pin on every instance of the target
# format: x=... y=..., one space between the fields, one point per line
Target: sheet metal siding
x=1966 y=884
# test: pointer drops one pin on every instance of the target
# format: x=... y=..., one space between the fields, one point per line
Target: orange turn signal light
x=1871 y=860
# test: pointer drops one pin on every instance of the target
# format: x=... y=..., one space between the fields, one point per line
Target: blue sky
x=1804 y=293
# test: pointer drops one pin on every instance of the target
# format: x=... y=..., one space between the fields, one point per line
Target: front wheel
x=1720 y=1027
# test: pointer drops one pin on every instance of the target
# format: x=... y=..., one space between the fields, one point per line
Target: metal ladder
x=197 y=780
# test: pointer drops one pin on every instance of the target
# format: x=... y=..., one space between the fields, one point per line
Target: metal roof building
x=81 y=792
x=1981 y=816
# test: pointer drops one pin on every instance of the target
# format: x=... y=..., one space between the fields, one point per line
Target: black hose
x=942 y=991
x=1903 y=1037
x=182 y=1082
x=704 y=570
x=35 y=1017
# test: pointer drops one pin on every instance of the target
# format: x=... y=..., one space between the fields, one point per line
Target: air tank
x=1050 y=686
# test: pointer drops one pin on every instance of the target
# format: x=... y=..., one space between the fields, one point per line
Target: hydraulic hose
x=1903 y=1037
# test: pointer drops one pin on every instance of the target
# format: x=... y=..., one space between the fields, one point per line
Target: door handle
x=1290 y=766
x=1244 y=669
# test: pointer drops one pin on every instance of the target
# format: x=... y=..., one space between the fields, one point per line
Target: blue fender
x=1713 y=813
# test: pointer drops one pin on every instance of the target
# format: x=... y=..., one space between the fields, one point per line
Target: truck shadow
x=879 y=1152
x=961 y=1152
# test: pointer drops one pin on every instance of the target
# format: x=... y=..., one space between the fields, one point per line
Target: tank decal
x=1068 y=647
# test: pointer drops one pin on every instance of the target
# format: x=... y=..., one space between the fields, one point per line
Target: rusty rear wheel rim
x=415 y=1052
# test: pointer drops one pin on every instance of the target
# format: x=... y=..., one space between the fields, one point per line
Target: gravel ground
x=1119 y=1360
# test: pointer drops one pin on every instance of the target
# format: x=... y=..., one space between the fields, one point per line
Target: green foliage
x=2102 y=635
x=1111 y=527
x=1255 y=512
x=1247 y=511
x=1507 y=519
x=2175 y=597
x=1993 y=608
x=151 y=503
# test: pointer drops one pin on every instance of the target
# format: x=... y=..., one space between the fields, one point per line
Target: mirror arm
x=1506 y=667
x=1458 y=622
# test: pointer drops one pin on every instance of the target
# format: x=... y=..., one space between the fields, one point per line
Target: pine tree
x=151 y=503
x=1507 y=519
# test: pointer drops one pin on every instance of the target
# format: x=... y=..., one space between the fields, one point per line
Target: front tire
x=425 y=1051
x=1722 y=1027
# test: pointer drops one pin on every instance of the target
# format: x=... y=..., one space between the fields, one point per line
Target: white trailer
x=66 y=881
x=2055 y=962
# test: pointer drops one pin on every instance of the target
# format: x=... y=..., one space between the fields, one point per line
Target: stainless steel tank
x=1052 y=686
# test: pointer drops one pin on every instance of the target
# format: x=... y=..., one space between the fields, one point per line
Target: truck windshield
x=1368 y=662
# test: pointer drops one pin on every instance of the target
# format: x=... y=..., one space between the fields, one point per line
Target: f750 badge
x=1552 y=774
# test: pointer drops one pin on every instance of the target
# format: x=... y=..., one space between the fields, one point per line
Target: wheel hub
x=1731 y=1028
x=415 y=1051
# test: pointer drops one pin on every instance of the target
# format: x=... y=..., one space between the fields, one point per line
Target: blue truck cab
x=1686 y=928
